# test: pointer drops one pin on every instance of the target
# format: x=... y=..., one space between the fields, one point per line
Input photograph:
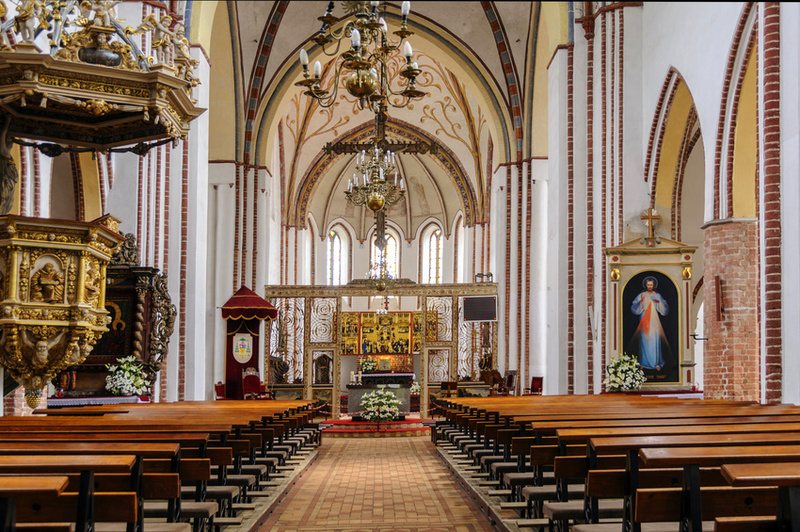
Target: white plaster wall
x=634 y=123
x=555 y=185
x=580 y=263
x=497 y=260
x=790 y=197
x=695 y=38
x=197 y=351
x=221 y=179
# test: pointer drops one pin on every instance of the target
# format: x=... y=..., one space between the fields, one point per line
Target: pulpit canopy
x=246 y=304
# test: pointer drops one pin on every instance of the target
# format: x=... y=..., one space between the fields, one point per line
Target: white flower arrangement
x=126 y=377
x=624 y=374
x=380 y=405
x=368 y=364
x=414 y=387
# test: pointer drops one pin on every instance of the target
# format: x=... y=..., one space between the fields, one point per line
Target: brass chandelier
x=365 y=64
x=375 y=189
x=365 y=70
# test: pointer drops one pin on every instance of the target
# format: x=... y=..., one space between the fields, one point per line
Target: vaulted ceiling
x=485 y=71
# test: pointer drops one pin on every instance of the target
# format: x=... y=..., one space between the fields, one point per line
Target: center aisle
x=393 y=484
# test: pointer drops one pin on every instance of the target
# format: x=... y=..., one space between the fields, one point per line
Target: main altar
x=315 y=348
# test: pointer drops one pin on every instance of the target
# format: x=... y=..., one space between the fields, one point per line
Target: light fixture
x=374 y=188
x=363 y=68
x=378 y=271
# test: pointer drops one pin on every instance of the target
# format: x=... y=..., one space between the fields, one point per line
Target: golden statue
x=47 y=285
x=92 y=284
x=8 y=170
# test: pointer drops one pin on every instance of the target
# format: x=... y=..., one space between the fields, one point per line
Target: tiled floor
x=396 y=484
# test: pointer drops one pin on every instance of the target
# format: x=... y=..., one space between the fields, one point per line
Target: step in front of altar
x=349 y=428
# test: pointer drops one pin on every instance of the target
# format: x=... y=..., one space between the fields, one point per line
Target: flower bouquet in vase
x=368 y=365
x=624 y=374
x=380 y=405
x=126 y=377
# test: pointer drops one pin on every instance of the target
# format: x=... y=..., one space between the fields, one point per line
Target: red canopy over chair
x=243 y=311
x=246 y=304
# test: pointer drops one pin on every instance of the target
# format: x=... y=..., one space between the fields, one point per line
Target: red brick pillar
x=731 y=356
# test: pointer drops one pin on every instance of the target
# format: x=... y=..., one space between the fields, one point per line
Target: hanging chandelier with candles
x=364 y=67
x=364 y=71
x=375 y=188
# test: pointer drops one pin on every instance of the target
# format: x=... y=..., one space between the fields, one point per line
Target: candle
x=405 y=8
x=352 y=376
x=355 y=38
x=317 y=69
x=384 y=26
x=303 y=57
x=408 y=51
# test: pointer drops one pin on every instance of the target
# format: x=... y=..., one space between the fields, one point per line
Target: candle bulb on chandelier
x=355 y=38
x=408 y=51
x=384 y=26
x=405 y=8
x=402 y=184
x=317 y=69
x=304 y=59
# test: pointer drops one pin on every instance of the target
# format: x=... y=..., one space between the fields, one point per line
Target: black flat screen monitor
x=480 y=308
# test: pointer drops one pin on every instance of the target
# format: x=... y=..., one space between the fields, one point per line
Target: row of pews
x=165 y=467
x=612 y=463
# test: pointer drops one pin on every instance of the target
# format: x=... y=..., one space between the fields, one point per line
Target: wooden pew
x=692 y=458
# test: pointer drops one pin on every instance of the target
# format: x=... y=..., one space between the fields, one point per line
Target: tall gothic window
x=432 y=255
x=338 y=254
x=392 y=252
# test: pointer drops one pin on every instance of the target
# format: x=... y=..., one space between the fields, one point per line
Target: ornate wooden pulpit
x=142 y=319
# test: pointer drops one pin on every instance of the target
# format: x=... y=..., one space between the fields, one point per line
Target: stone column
x=731 y=283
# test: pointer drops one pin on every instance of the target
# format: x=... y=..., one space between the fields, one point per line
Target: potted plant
x=624 y=374
x=126 y=377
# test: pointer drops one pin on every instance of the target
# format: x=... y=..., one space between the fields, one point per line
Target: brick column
x=732 y=360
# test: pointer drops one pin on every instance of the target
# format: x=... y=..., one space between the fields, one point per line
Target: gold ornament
x=52 y=310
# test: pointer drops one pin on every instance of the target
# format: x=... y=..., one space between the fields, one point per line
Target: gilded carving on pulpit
x=47 y=285
x=8 y=170
x=92 y=283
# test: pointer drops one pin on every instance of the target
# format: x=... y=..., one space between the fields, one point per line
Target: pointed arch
x=674 y=133
x=741 y=51
x=431 y=249
x=396 y=129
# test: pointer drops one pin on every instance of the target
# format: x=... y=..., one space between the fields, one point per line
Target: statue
x=104 y=11
x=183 y=58
x=8 y=170
x=47 y=285
x=42 y=352
x=322 y=370
x=163 y=38
x=280 y=370
x=5 y=44
x=28 y=12
x=92 y=285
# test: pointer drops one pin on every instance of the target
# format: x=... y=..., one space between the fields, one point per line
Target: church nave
x=396 y=484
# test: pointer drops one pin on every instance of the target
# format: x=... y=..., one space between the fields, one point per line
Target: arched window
x=432 y=255
x=338 y=255
x=392 y=252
